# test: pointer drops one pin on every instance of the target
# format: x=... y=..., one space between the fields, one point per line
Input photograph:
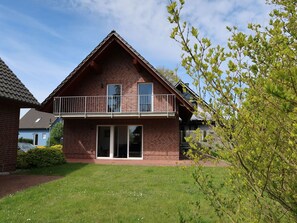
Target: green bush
x=26 y=140
x=22 y=160
x=40 y=158
x=58 y=146
x=56 y=134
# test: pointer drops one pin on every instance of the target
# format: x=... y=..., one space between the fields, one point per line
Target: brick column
x=9 y=126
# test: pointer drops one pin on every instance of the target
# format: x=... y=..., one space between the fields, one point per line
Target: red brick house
x=13 y=96
x=116 y=105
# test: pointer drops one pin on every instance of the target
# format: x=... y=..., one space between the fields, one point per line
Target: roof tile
x=12 y=88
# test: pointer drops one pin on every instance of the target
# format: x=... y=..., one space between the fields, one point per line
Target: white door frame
x=111 y=143
x=152 y=98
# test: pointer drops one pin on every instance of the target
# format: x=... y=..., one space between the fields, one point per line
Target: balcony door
x=145 y=97
x=114 y=92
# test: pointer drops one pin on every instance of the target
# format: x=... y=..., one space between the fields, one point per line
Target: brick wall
x=9 y=125
x=116 y=68
x=160 y=137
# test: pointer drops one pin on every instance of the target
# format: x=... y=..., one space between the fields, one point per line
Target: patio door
x=119 y=142
x=103 y=136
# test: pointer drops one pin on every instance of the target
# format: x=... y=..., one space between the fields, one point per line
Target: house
x=13 y=96
x=116 y=105
x=36 y=125
x=200 y=120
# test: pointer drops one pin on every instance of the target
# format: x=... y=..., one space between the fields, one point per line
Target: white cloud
x=42 y=61
x=144 y=22
x=212 y=16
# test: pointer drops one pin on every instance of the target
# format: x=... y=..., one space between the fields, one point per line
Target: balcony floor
x=116 y=115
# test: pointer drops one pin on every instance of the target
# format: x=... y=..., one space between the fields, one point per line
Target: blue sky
x=42 y=41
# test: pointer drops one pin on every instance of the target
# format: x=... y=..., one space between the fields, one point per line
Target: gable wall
x=117 y=68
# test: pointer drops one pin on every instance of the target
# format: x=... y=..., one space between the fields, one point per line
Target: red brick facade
x=9 y=125
x=116 y=68
x=160 y=135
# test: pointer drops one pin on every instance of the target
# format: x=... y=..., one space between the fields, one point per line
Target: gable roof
x=191 y=95
x=113 y=36
x=34 y=119
x=12 y=88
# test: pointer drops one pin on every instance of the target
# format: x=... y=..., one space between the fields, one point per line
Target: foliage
x=40 y=157
x=58 y=146
x=252 y=85
x=56 y=134
x=170 y=75
x=41 y=147
x=25 y=140
x=21 y=160
x=117 y=193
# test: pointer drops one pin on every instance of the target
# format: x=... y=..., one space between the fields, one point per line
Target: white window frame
x=108 y=96
x=138 y=94
x=111 y=143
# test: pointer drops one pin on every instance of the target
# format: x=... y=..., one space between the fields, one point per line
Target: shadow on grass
x=59 y=170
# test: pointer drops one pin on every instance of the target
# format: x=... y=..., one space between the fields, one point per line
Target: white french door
x=119 y=142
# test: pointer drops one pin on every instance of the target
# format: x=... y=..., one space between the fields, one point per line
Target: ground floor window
x=119 y=141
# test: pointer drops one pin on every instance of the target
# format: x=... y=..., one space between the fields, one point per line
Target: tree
x=56 y=134
x=253 y=87
x=170 y=75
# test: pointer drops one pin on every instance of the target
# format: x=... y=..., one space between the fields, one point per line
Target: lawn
x=102 y=193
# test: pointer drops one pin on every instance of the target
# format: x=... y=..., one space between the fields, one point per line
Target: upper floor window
x=145 y=97
x=114 y=92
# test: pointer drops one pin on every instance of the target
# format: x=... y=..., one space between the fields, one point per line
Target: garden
x=112 y=193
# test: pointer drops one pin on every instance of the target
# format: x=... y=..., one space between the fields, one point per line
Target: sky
x=42 y=41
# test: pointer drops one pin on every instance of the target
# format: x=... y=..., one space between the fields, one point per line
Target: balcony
x=158 y=105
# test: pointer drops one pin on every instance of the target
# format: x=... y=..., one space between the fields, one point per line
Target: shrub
x=22 y=160
x=26 y=140
x=58 y=146
x=40 y=158
x=56 y=134
x=41 y=147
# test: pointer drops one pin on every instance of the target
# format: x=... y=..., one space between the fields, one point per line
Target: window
x=114 y=98
x=145 y=97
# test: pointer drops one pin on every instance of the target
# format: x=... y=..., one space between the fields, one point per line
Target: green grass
x=101 y=193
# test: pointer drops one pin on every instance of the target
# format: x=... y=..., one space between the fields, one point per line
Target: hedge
x=40 y=158
x=25 y=140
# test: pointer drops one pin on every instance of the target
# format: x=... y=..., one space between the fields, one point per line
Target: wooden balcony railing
x=111 y=106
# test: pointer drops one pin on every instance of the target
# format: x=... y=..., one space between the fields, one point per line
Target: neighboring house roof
x=191 y=95
x=12 y=88
x=34 y=119
x=111 y=37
